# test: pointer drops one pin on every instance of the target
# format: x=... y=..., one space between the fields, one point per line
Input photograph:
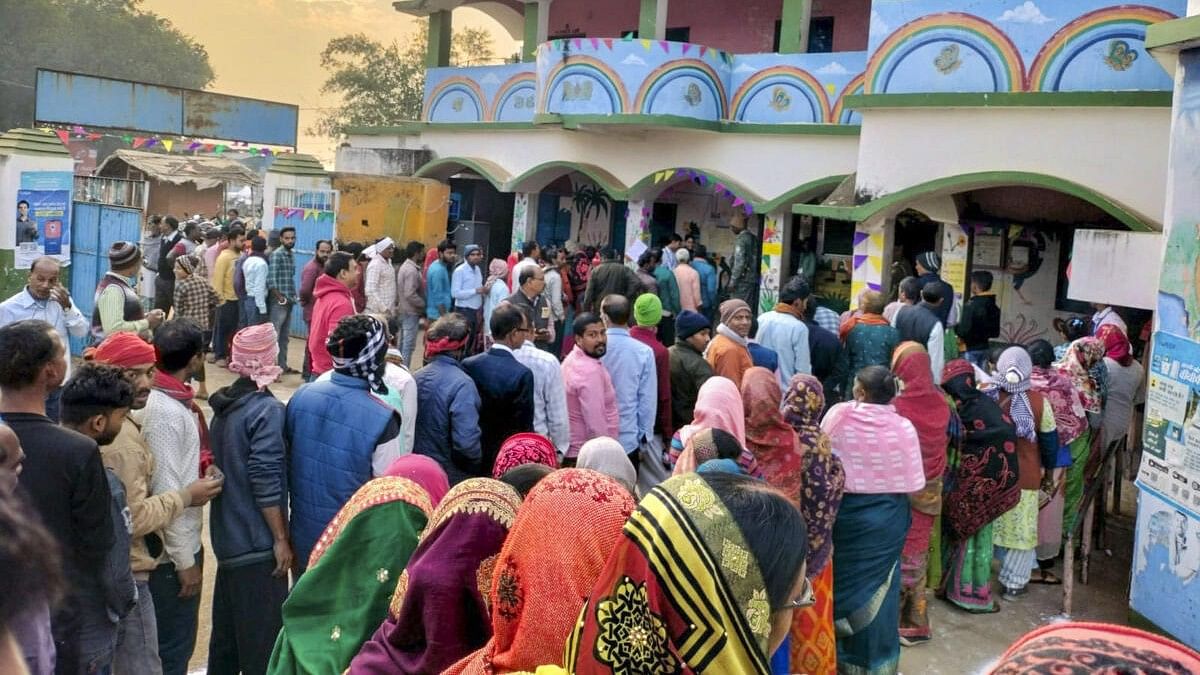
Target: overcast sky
x=271 y=49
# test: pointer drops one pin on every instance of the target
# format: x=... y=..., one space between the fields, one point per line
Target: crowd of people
x=595 y=470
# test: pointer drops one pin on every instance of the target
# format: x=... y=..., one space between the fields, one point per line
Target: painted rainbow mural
x=967 y=30
x=594 y=69
x=513 y=85
x=803 y=80
x=666 y=73
x=854 y=87
x=457 y=85
x=1111 y=23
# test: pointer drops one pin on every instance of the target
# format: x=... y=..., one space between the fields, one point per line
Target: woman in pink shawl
x=718 y=406
x=424 y=471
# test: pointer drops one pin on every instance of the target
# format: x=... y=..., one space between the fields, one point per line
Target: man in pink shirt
x=688 y=280
x=591 y=399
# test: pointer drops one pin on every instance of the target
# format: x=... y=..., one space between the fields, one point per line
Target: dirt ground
x=963 y=643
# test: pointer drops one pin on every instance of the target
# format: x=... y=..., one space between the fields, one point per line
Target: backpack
x=120 y=591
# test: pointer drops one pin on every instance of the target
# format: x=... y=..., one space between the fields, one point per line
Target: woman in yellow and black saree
x=705 y=580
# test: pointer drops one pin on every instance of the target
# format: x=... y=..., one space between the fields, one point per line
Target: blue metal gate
x=94 y=228
x=312 y=213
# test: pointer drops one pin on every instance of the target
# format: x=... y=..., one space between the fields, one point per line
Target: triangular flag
x=63 y=136
x=77 y=129
x=703 y=51
x=719 y=188
x=266 y=152
x=168 y=144
x=739 y=201
x=193 y=145
x=686 y=47
x=138 y=142
x=220 y=149
x=95 y=137
x=209 y=147
x=608 y=42
x=646 y=45
x=127 y=138
x=150 y=142
x=595 y=43
x=46 y=129
x=628 y=37
x=577 y=44
x=665 y=45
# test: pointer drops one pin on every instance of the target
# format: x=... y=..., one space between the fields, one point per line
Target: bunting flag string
x=76 y=132
x=702 y=179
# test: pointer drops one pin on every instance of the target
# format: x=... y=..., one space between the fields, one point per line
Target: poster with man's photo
x=43 y=218
x=1165 y=584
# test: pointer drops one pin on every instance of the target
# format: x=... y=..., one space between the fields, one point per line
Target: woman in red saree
x=921 y=402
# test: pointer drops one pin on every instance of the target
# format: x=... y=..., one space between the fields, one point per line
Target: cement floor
x=963 y=644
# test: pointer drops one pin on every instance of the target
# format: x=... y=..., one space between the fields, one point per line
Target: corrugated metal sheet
x=205 y=172
x=86 y=100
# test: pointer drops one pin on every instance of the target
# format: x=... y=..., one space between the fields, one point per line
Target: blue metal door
x=312 y=225
x=94 y=228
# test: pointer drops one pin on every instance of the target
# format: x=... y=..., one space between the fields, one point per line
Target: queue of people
x=389 y=520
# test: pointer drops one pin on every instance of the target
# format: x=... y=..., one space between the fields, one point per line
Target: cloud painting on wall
x=832 y=68
x=1025 y=13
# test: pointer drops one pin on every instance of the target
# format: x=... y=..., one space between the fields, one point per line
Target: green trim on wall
x=1032 y=99
x=529 y=39
x=437 y=52
x=682 y=122
x=793 y=22
x=493 y=173
x=599 y=176
x=975 y=181
x=1174 y=35
x=801 y=192
x=636 y=190
x=414 y=128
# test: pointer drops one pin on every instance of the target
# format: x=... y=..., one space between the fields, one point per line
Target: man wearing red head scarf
x=130 y=459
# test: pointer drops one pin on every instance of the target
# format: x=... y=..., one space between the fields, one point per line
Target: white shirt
x=380 y=286
x=668 y=258
x=171 y=432
x=66 y=322
x=549 y=395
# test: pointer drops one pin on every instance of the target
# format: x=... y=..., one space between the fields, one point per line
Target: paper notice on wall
x=635 y=250
x=1171 y=439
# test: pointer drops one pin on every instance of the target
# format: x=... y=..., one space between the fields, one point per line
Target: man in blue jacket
x=339 y=434
x=505 y=385
x=249 y=518
x=448 y=403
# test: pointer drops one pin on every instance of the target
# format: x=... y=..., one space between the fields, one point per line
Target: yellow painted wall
x=400 y=207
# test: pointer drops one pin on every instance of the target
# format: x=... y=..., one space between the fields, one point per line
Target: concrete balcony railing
x=609 y=76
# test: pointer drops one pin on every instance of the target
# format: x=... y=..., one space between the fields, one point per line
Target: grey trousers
x=137 y=638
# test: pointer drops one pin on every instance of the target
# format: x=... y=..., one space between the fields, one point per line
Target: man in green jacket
x=668 y=292
x=689 y=370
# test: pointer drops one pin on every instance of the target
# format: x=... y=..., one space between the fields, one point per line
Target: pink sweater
x=878 y=448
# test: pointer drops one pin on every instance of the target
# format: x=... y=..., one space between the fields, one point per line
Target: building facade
x=869 y=132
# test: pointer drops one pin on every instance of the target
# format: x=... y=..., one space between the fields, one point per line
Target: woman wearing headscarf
x=607 y=456
x=1015 y=532
x=1071 y=421
x=1078 y=646
x=1079 y=365
x=540 y=582
x=981 y=484
x=1124 y=383
x=729 y=351
x=439 y=611
x=822 y=481
x=921 y=402
x=496 y=291
x=524 y=448
x=424 y=471
x=707 y=446
x=743 y=546
x=342 y=598
x=718 y=406
x=880 y=452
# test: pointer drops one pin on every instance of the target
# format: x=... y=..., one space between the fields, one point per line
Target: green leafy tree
x=384 y=84
x=108 y=38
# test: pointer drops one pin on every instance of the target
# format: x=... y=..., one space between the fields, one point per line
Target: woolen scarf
x=183 y=393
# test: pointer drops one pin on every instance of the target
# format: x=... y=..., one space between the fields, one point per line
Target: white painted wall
x=768 y=165
x=1119 y=152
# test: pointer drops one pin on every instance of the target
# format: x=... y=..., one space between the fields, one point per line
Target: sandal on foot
x=1048 y=578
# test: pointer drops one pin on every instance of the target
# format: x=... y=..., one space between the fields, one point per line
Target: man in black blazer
x=505 y=385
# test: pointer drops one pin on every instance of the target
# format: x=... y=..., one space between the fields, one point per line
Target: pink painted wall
x=744 y=27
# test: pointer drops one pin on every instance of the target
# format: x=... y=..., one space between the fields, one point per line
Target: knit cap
x=688 y=323
x=122 y=253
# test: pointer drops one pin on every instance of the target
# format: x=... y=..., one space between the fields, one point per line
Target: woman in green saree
x=344 y=595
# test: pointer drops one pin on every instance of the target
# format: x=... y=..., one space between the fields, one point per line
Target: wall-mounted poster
x=1165 y=586
x=43 y=219
x=1171 y=439
x=987 y=251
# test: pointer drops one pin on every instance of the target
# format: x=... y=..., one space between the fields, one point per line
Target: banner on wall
x=43 y=218
x=1171 y=438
